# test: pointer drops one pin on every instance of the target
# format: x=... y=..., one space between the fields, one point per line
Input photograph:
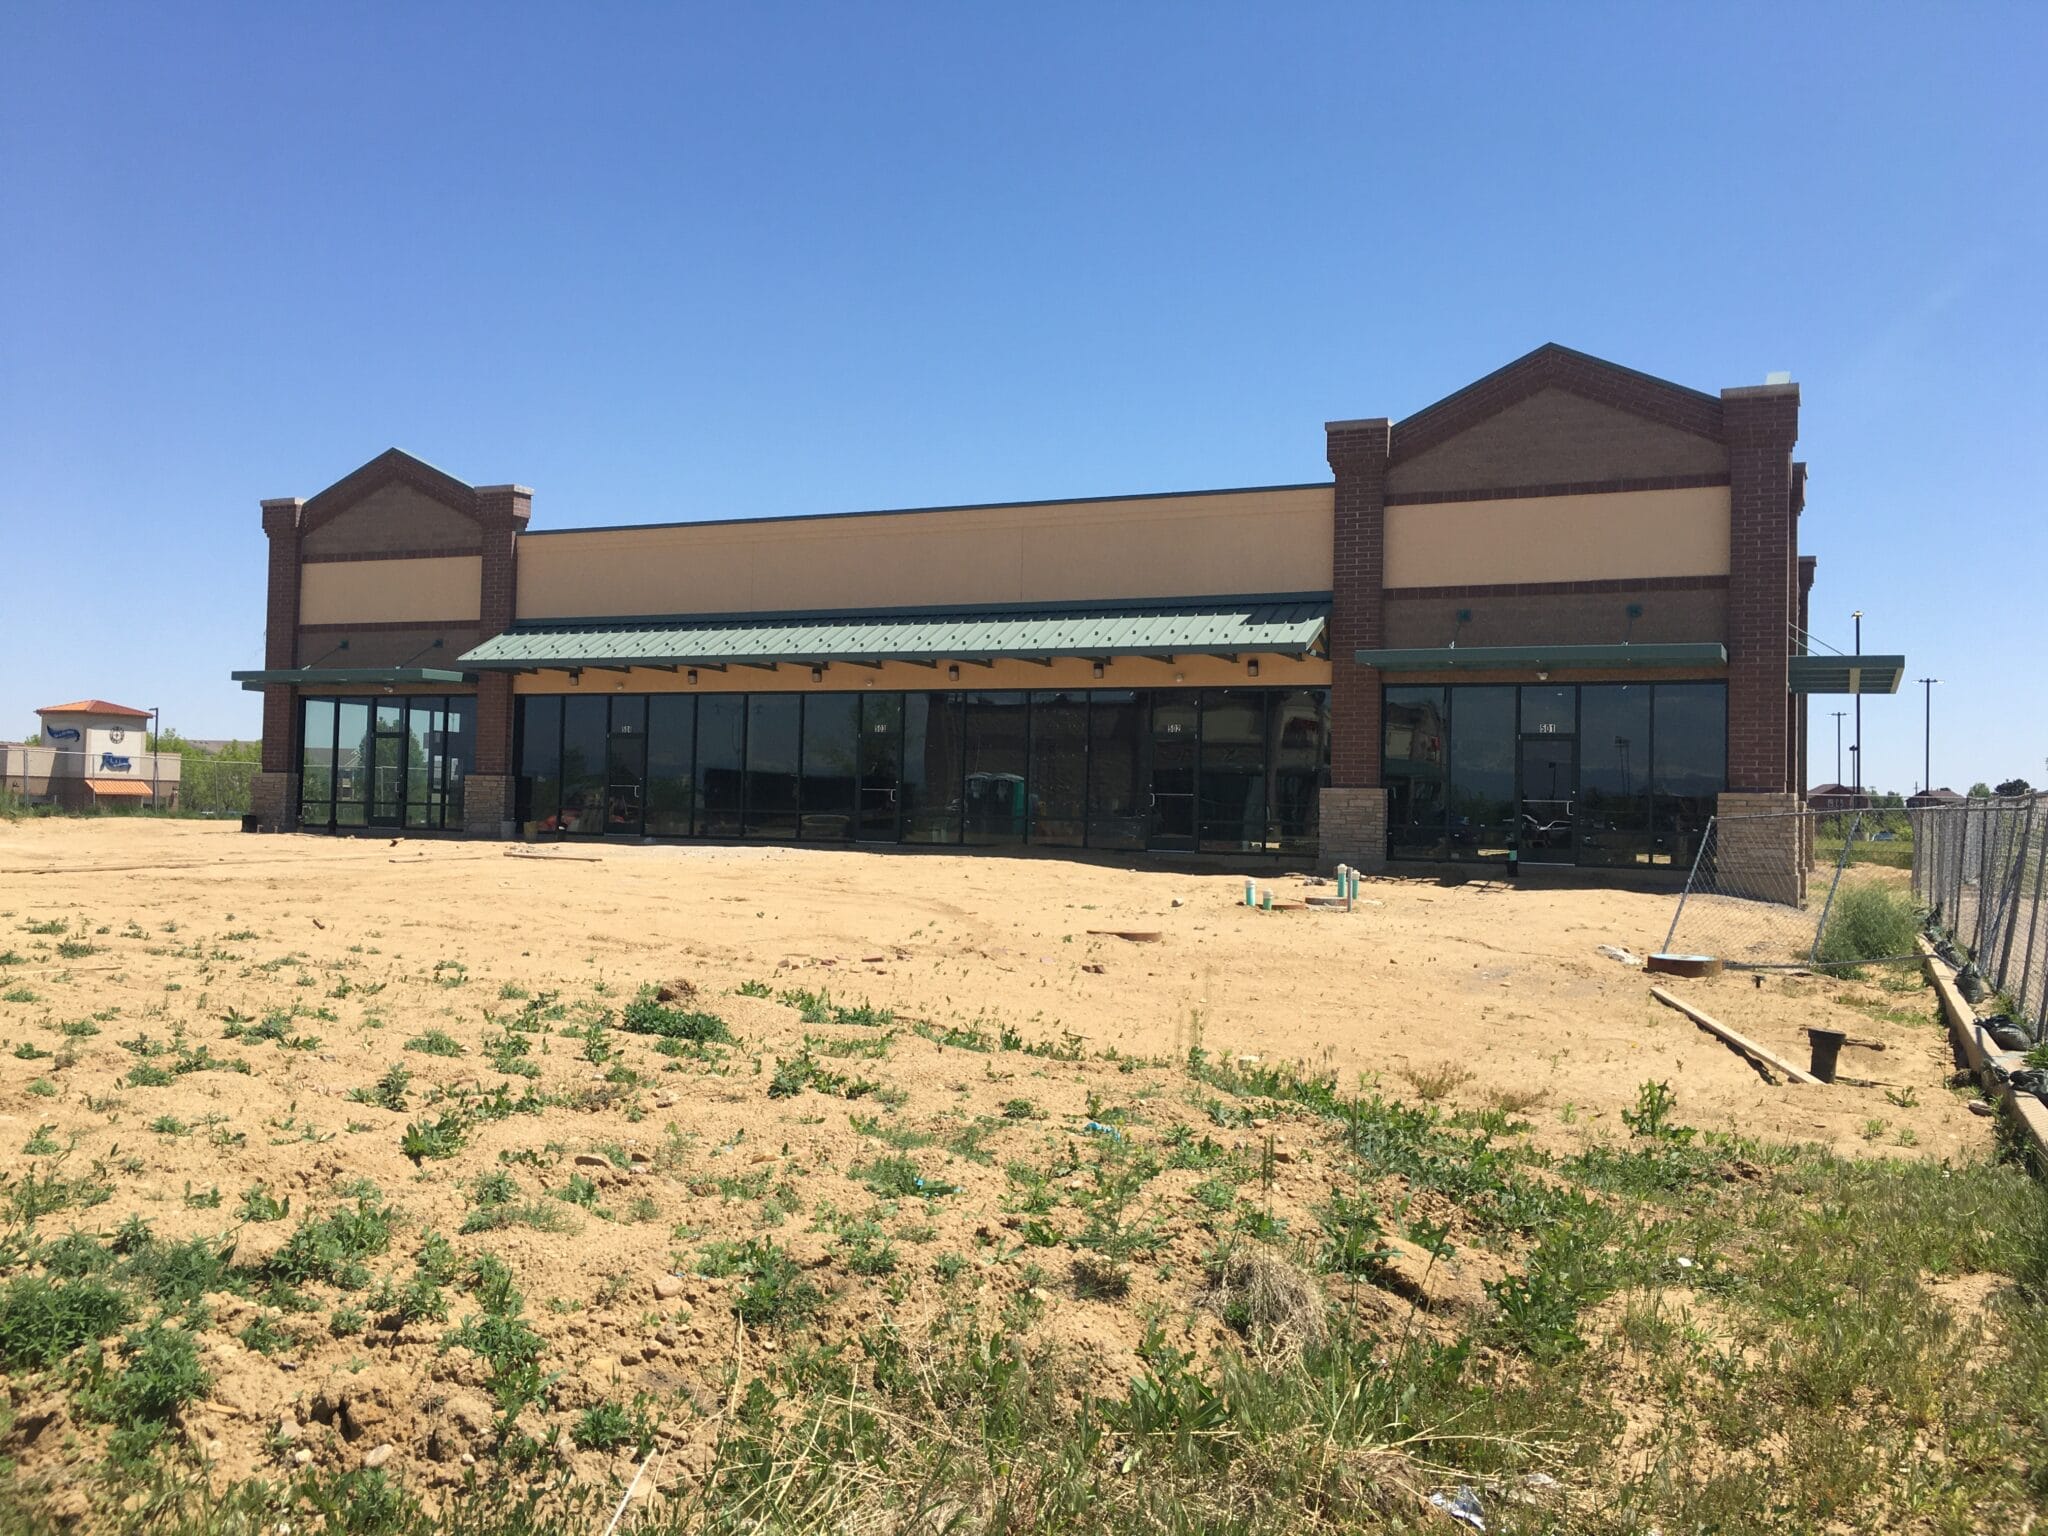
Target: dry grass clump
x=1515 y=1101
x=1437 y=1082
x=1273 y=1302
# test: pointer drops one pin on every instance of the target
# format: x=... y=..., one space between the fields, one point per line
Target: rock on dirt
x=667 y=1287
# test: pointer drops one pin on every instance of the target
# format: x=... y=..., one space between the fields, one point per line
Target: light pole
x=1858 y=758
x=1839 y=715
x=1927 y=734
x=156 y=751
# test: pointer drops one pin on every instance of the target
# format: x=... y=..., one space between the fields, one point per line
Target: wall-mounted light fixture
x=953 y=672
x=575 y=677
x=1251 y=668
x=693 y=677
x=1098 y=669
x=817 y=674
x=1180 y=677
x=619 y=686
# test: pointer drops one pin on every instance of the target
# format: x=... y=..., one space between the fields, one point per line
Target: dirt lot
x=908 y=1030
x=1503 y=980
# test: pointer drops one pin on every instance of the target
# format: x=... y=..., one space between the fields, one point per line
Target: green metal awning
x=350 y=677
x=1847 y=674
x=1547 y=658
x=1200 y=627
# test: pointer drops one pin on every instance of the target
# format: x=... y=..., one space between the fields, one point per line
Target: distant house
x=1837 y=797
x=94 y=755
x=1934 y=797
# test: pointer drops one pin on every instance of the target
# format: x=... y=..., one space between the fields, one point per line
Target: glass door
x=388 y=764
x=1176 y=744
x=626 y=767
x=881 y=768
x=1549 y=772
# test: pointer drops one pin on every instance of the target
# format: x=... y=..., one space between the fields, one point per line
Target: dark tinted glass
x=351 y=762
x=1548 y=711
x=1116 y=774
x=1298 y=725
x=772 y=754
x=1233 y=771
x=626 y=758
x=1415 y=763
x=671 y=764
x=584 y=751
x=540 y=763
x=721 y=781
x=316 y=762
x=422 y=792
x=458 y=751
x=1614 y=773
x=993 y=797
x=1482 y=781
x=831 y=763
x=1690 y=765
x=932 y=767
x=1059 y=769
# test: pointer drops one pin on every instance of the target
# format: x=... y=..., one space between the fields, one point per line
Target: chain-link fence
x=66 y=781
x=1805 y=889
x=1979 y=867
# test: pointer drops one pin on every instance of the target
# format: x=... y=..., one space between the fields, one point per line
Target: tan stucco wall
x=1070 y=672
x=1607 y=537
x=1170 y=546
x=390 y=591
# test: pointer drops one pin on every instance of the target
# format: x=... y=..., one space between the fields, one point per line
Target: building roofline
x=972 y=506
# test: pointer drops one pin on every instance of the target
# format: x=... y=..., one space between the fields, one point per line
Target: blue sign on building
x=112 y=764
x=62 y=733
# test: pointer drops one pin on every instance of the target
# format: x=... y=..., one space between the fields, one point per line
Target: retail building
x=1560 y=613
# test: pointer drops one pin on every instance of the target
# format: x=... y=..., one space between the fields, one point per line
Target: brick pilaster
x=1761 y=425
x=1358 y=456
x=281 y=629
x=502 y=510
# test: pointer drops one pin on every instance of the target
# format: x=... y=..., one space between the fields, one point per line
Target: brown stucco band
x=467 y=624
x=1575 y=488
x=358 y=557
x=1560 y=588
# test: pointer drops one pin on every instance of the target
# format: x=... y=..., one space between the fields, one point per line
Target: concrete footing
x=1986 y=1060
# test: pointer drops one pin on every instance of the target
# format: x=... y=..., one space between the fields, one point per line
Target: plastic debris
x=1097 y=1128
x=1616 y=952
x=1462 y=1506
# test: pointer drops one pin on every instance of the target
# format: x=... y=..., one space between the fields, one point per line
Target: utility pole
x=156 y=751
x=1927 y=736
x=1840 y=715
x=1858 y=616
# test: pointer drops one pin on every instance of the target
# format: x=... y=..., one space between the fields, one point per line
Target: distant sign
x=62 y=733
x=112 y=764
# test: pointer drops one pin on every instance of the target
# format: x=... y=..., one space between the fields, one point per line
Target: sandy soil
x=1504 y=980
x=1421 y=983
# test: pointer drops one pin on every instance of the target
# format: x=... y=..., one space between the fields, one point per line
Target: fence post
x=1691 y=875
x=1841 y=862
x=2012 y=903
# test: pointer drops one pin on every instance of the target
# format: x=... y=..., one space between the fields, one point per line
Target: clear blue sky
x=663 y=263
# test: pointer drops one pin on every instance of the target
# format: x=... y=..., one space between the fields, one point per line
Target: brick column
x=1761 y=424
x=274 y=789
x=1353 y=810
x=502 y=510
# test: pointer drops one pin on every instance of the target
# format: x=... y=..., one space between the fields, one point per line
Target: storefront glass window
x=1482 y=786
x=992 y=800
x=1117 y=807
x=831 y=763
x=773 y=744
x=1613 y=812
x=1059 y=769
x=932 y=768
x=1414 y=765
x=721 y=763
x=1233 y=768
x=671 y=754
